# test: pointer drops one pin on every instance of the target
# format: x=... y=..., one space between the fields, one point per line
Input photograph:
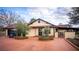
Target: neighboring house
x=66 y=32
x=10 y=30
x=37 y=26
x=2 y=31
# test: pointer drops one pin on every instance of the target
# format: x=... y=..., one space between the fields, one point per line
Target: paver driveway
x=33 y=44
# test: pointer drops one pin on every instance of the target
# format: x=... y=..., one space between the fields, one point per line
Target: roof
x=64 y=26
x=12 y=26
x=43 y=21
x=61 y=26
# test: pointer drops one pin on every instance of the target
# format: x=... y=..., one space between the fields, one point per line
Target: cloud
x=53 y=15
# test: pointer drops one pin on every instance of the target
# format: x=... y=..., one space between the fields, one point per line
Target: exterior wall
x=56 y=34
x=60 y=30
x=69 y=34
x=42 y=23
x=34 y=32
x=51 y=32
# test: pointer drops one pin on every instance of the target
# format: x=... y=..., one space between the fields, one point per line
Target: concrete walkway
x=33 y=44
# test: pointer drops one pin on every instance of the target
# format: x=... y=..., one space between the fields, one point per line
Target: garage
x=11 y=32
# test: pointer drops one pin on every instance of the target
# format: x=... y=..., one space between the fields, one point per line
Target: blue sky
x=54 y=15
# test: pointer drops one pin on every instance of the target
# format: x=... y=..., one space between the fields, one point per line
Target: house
x=2 y=31
x=9 y=30
x=65 y=31
x=37 y=26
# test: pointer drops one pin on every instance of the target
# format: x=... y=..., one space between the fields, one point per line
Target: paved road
x=33 y=44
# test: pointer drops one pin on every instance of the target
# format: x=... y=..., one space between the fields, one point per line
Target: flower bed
x=20 y=37
x=45 y=38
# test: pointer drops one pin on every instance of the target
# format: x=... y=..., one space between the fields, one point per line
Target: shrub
x=22 y=29
x=45 y=34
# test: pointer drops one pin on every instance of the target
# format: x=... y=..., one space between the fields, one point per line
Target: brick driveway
x=32 y=44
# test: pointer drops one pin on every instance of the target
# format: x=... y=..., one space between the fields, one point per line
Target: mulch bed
x=74 y=41
x=20 y=37
x=45 y=38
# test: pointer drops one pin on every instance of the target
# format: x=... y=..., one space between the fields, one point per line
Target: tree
x=22 y=28
x=32 y=20
x=74 y=15
x=8 y=17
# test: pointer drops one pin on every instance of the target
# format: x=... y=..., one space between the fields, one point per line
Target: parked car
x=12 y=34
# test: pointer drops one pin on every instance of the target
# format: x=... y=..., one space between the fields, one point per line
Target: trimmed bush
x=45 y=38
x=45 y=34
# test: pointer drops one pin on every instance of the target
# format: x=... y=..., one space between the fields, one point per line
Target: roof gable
x=40 y=22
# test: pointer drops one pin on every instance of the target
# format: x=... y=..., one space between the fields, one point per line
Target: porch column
x=56 y=34
x=54 y=31
x=36 y=32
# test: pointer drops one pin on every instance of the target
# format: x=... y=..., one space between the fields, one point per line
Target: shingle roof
x=59 y=26
x=11 y=26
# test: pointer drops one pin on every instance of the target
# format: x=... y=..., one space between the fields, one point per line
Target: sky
x=54 y=15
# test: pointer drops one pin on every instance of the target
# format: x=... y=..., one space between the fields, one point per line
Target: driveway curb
x=72 y=44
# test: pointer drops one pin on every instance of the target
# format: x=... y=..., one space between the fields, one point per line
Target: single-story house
x=38 y=25
x=66 y=32
x=9 y=30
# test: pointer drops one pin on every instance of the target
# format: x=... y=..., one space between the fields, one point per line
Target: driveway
x=33 y=44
